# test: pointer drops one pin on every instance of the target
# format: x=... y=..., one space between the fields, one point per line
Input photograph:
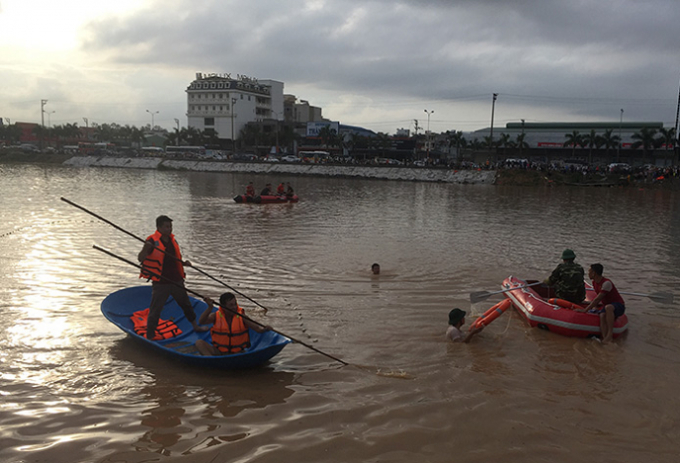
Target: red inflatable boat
x=534 y=303
x=266 y=199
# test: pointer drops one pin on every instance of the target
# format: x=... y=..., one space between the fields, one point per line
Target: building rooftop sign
x=225 y=75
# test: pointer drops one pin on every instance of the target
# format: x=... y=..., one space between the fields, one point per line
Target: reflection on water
x=75 y=389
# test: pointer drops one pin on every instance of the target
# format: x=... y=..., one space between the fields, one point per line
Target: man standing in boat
x=162 y=263
x=229 y=330
x=567 y=279
x=609 y=297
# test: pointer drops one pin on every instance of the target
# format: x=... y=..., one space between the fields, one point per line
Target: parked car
x=619 y=167
x=244 y=157
x=28 y=148
x=290 y=158
x=271 y=158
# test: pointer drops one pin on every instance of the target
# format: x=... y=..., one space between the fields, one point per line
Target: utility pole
x=177 y=140
x=42 y=121
x=618 y=148
x=521 y=144
x=427 y=138
x=415 y=138
x=675 y=144
x=493 y=108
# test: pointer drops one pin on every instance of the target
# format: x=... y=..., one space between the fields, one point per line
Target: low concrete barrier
x=414 y=174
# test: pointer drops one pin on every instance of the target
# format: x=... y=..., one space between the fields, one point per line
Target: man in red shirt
x=608 y=295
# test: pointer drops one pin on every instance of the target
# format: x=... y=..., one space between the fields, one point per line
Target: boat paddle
x=109 y=253
x=480 y=296
x=167 y=254
x=661 y=298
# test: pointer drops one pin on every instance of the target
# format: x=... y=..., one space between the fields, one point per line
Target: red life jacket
x=165 y=329
x=154 y=261
x=611 y=296
x=230 y=339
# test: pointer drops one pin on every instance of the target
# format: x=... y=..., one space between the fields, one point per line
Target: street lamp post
x=153 y=124
x=618 y=148
x=42 y=121
x=521 y=144
x=493 y=109
x=177 y=140
x=233 y=138
x=427 y=139
x=277 y=131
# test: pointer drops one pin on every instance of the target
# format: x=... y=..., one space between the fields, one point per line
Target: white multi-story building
x=225 y=104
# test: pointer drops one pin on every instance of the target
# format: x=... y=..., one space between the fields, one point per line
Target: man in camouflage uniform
x=567 y=279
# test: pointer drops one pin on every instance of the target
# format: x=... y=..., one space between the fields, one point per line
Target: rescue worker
x=162 y=263
x=456 y=322
x=567 y=278
x=229 y=330
x=250 y=190
x=281 y=189
x=267 y=190
x=609 y=297
x=289 y=191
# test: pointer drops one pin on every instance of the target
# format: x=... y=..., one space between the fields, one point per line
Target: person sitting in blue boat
x=609 y=297
x=456 y=321
x=567 y=279
x=162 y=263
x=229 y=331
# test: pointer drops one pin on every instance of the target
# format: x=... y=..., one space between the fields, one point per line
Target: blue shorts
x=619 y=309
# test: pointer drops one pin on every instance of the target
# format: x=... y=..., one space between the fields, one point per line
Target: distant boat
x=119 y=306
x=266 y=199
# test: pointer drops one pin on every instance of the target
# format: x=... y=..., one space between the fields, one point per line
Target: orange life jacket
x=165 y=329
x=230 y=339
x=154 y=261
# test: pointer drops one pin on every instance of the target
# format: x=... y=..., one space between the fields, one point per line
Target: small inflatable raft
x=540 y=310
x=266 y=199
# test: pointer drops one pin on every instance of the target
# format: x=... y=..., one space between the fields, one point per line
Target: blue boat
x=118 y=307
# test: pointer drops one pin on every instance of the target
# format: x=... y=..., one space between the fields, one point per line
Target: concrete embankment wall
x=386 y=173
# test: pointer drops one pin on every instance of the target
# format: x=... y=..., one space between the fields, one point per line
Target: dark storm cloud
x=606 y=50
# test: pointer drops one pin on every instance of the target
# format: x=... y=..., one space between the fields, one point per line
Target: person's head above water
x=375 y=268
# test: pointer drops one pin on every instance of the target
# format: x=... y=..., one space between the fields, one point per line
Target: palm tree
x=520 y=143
x=667 y=138
x=645 y=139
x=328 y=136
x=610 y=141
x=574 y=139
x=349 y=141
x=384 y=141
x=504 y=142
x=456 y=137
x=591 y=140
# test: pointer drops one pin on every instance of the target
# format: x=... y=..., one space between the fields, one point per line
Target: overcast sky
x=378 y=64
